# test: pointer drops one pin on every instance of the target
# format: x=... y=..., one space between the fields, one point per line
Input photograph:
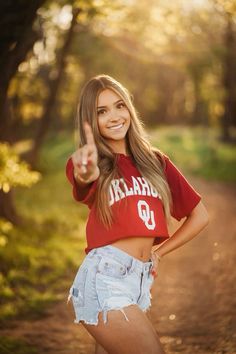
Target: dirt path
x=194 y=302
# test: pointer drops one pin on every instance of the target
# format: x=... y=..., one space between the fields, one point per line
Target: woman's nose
x=114 y=115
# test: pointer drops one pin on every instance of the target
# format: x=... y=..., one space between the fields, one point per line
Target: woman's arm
x=195 y=222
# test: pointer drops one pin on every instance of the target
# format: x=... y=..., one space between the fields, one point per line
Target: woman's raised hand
x=85 y=159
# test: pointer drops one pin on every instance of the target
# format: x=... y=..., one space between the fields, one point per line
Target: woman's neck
x=122 y=150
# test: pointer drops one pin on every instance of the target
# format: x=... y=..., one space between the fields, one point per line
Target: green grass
x=39 y=259
x=197 y=151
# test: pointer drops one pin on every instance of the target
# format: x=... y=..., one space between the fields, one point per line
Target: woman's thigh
x=99 y=349
x=118 y=336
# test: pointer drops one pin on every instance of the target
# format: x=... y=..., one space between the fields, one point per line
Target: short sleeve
x=82 y=194
x=184 y=196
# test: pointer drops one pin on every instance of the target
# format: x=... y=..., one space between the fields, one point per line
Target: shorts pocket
x=112 y=268
x=78 y=288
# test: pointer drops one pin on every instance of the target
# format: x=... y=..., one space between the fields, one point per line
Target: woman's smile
x=116 y=127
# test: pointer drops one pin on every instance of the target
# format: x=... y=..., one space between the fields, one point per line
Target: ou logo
x=146 y=215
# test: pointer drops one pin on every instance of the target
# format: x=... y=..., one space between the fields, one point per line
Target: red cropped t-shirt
x=136 y=206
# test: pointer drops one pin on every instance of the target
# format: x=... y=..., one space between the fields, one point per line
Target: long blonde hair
x=148 y=159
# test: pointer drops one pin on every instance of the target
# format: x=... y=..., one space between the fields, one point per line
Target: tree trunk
x=17 y=37
x=45 y=121
x=7 y=208
x=198 y=111
x=228 y=81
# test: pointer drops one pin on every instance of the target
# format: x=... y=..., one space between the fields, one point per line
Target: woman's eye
x=101 y=111
x=121 y=105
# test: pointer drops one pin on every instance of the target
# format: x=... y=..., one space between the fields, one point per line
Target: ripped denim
x=110 y=279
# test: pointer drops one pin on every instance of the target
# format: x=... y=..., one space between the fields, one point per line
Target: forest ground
x=193 y=298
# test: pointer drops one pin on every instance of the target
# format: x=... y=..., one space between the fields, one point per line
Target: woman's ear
x=132 y=98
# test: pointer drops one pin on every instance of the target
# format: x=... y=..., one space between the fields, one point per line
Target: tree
x=17 y=37
x=228 y=79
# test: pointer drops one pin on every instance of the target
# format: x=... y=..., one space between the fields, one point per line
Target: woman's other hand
x=156 y=260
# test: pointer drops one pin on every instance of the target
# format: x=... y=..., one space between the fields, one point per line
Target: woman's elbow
x=206 y=219
x=201 y=213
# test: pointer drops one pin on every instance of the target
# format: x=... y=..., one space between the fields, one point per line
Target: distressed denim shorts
x=110 y=279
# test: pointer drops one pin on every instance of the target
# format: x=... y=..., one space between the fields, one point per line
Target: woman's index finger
x=88 y=134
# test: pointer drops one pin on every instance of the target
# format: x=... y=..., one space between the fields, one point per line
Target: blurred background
x=178 y=59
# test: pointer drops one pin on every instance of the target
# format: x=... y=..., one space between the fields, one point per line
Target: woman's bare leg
x=119 y=336
x=99 y=349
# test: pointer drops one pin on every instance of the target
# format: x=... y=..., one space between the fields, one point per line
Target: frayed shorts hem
x=105 y=312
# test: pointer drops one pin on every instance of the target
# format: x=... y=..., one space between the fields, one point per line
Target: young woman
x=131 y=189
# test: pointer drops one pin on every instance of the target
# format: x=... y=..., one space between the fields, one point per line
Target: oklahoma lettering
x=118 y=189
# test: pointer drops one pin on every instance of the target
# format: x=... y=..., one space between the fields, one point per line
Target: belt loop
x=132 y=266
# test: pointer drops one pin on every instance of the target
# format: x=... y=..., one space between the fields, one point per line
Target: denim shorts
x=110 y=279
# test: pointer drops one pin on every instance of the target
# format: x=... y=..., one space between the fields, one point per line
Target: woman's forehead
x=107 y=96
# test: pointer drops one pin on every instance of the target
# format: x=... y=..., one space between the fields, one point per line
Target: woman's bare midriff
x=138 y=247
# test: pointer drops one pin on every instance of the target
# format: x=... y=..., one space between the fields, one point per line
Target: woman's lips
x=114 y=127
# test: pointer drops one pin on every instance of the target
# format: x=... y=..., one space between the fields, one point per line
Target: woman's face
x=113 y=119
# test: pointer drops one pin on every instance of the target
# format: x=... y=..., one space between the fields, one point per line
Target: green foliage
x=5 y=227
x=39 y=259
x=198 y=151
x=14 y=172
